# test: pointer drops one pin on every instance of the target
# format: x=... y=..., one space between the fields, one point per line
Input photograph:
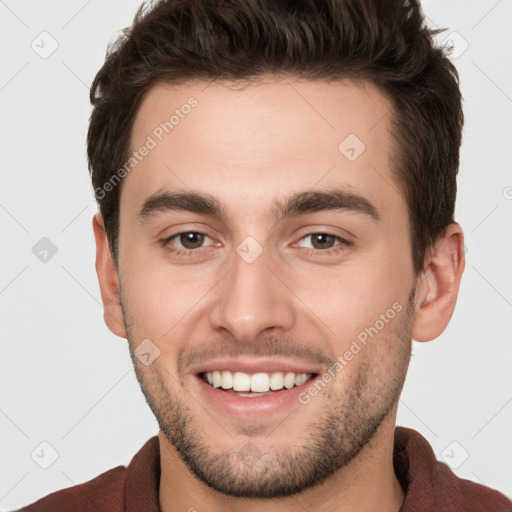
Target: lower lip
x=252 y=407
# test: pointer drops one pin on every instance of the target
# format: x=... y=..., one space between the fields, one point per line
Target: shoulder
x=464 y=494
x=109 y=492
x=431 y=485
x=101 y=494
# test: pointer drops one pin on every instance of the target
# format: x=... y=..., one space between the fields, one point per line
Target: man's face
x=273 y=283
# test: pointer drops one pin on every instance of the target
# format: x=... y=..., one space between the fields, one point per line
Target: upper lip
x=255 y=365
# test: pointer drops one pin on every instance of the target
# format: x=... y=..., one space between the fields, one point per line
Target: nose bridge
x=251 y=299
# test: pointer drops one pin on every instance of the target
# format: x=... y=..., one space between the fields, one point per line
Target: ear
x=108 y=279
x=439 y=285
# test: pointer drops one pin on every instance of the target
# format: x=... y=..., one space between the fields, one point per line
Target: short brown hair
x=384 y=41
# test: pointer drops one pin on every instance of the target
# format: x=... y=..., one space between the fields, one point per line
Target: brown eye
x=322 y=240
x=323 y=243
x=187 y=243
x=191 y=239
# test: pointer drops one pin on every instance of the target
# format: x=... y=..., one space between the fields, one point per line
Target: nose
x=253 y=298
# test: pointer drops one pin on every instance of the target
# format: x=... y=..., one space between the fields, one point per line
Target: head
x=276 y=184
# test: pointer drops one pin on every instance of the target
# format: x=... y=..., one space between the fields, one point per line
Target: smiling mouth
x=254 y=384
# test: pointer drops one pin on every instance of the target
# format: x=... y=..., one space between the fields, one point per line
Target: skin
x=249 y=147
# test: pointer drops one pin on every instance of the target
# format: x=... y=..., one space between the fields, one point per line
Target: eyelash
x=342 y=245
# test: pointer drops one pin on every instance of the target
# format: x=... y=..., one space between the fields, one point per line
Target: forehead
x=246 y=142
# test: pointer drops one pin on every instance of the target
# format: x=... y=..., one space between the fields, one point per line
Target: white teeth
x=241 y=382
x=256 y=382
x=276 y=381
x=216 y=379
x=289 y=380
x=227 y=380
x=260 y=382
x=300 y=379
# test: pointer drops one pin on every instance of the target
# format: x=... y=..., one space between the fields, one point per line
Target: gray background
x=67 y=381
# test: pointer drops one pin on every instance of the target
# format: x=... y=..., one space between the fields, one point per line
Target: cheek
x=159 y=296
x=350 y=298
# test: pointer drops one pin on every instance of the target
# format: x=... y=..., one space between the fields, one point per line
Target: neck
x=366 y=484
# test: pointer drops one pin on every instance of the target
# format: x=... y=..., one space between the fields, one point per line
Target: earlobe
x=439 y=285
x=108 y=279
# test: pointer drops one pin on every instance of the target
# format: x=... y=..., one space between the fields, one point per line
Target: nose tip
x=250 y=301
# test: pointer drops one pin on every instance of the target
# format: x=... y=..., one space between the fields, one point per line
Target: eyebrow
x=298 y=204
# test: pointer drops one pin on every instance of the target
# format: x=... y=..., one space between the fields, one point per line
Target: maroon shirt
x=429 y=485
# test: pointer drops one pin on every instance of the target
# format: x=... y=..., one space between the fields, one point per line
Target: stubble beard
x=347 y=422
